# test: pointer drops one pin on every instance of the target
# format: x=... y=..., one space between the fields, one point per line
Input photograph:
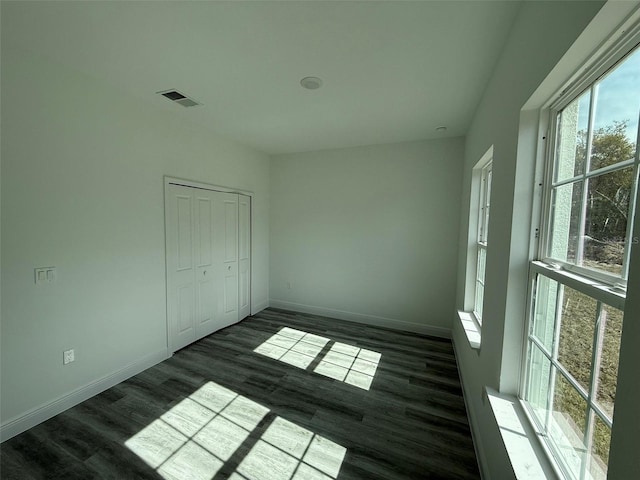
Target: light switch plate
x=45 y=275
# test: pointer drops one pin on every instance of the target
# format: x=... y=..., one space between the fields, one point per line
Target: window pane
x=565 y=221
x=616 y=114
x=479 y=300
x=577 y=327
x=599 y=450
x=482 y=262
x=611 y=323
x=487 y=206
x=539 y=370
x=544 y=315
x=568 y=423
x=607 y=209
x=571 y=151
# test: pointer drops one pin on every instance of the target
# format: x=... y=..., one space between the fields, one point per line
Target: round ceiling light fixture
x=441 y=129
x=311 y=83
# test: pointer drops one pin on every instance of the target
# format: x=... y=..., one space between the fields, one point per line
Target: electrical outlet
x=68 y=356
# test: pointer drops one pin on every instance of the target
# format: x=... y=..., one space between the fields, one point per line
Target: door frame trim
x=168 y=180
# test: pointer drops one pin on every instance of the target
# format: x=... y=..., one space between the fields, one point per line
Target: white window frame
x=598 y=69
x=602 y=287
x=484 y=204
x=470 y=319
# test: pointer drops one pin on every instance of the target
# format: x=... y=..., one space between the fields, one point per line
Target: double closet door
x=208 y=261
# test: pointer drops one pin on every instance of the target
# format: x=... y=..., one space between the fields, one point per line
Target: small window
x=483 y=237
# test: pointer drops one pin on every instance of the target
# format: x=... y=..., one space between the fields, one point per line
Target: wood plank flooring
x=217 y=409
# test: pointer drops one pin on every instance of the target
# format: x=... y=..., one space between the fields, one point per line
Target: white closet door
x=227 y=246
x=208 y=240
x=181 y=289
x=244 y=256
x=206 y=283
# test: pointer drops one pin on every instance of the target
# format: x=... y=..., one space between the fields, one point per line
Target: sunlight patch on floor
x=347 y=363
x=195 y=439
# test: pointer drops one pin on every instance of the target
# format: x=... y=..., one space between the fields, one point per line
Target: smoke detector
x=177 y=97
x=311 y=83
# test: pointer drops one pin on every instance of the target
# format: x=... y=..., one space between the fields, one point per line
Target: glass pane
x=577 y=327
x=568 y=423
x=479 y=300
x=539 y=370
x=482 y=262
x=608 y=198
x=487 y=206
x=544 y=313
x=611 y=323
x=571 y=147
x=599 y=450
x=617 y=109
x=566 y=210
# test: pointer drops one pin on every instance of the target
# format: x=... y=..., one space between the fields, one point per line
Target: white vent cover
x=177 y=97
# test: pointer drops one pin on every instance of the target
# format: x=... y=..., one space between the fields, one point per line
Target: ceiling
x=393 y=71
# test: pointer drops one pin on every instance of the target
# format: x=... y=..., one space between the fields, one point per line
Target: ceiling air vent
x=176 y=96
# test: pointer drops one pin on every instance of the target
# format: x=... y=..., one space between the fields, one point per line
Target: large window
x=483 y=237
x=578 y=283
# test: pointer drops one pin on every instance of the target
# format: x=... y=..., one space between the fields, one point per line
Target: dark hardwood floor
x=218 y=409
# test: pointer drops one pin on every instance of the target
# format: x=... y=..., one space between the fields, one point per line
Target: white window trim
x=484 y=202
x=602 y=287
x=471 y=324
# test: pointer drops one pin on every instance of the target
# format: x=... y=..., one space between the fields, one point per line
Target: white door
x=244 y=256
x=208 y=261
x=227 y=245
x=181 y=289
x=206 y=282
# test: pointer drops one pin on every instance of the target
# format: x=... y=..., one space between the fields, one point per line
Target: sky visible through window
x=618 y=97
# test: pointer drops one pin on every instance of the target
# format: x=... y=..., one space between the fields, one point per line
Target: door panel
x=229 y=245
x=180 y=268
x=185 y=309
x=205 y=278
x=231 y=229
x=184 y=243
x=244 y=256
x=204 y=228
x=230 y=294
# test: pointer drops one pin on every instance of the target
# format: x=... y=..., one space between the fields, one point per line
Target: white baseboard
x=362 y=318
x=44 y=412
x=477 y=443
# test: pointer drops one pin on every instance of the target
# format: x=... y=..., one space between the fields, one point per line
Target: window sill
x=471 y=329
x=527 y=456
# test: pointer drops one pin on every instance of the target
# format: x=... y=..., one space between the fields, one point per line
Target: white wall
x=82 y=190
x=368 y=234
x=542 y=33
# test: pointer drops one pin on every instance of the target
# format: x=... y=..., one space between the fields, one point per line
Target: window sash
x=530 y=385
x=607 y=289
x=589 y=84
x=479 y=281
x=484 y=205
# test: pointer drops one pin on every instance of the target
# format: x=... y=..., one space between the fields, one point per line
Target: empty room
x=319 y=240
